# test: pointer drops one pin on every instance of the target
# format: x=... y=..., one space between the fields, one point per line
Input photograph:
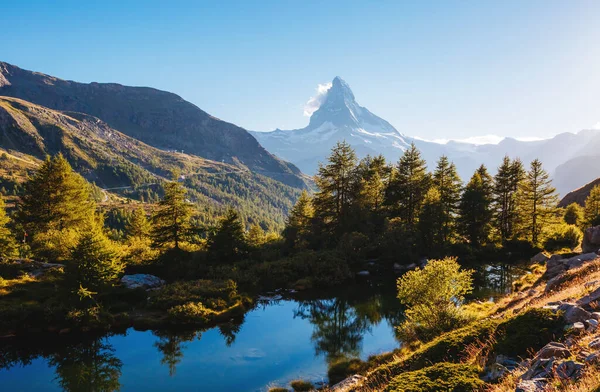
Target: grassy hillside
x=126 y=166
x=158 y=118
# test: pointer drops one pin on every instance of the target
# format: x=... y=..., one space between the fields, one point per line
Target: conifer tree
x=408 y=186
x=448 y=184
x=336 y=183
x=138 y=226
x=574 y=215
x=537 y=201
x=54 y=198
x=431 y=220
x=228 y=242
x=95 y=262
x=592 y=207
x=374 y=175
x=298 y=225
x=8 y=245
x=474 y=221
x=171 y=222
x=256 y=236
x=506 y=183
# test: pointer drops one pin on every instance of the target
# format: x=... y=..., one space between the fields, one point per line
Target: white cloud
x=315 y=102
x=597 y=126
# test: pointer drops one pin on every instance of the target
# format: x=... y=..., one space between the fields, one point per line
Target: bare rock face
x=591 y=239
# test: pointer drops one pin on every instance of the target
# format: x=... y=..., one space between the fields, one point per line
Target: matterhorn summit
x=338 y=118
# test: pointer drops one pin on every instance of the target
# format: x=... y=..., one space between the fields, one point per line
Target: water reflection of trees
x=172 y=343
x=88 y=366
x=81 y=364
x=339 y=324
x=493 y=280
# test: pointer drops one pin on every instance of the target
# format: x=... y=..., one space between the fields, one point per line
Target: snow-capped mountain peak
x=339 y=117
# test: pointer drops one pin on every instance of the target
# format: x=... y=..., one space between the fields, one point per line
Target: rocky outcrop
x=348 y=384
x=591 y=239
x=556 y=266
x=540 y=258
x=144 y=281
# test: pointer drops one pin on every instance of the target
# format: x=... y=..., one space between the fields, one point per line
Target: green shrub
x=191 y=312
x=529 y=331
x=341 y=369
x=439 y=377
x=433 y=296
x=301 y=386
x=562 y=236
x=213 y=294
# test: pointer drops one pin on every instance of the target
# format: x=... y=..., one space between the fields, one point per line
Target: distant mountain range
x=158 y=118
x=129 y=140
x=572 y=159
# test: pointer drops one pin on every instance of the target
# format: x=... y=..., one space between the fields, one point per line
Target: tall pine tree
x=408 y=186
x=298 y=225
x=475 y=217
x=171 y=222
x=8 y=245
x=537 y=201
x=506 y=183
x=448 y=184
x=336 y=182
x=591 y=211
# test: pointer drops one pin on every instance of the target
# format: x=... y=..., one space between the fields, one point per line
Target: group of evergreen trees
x=423 y=211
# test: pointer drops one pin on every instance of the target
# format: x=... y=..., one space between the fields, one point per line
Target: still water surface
x=274 y=343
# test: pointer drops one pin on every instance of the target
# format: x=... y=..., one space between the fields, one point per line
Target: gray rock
x=593 y=358
x=594 y=343
x=574 y=313
x=553 y=350
x=579 y=260
x=540 y=258
x=145 y=281
x=569 y=370
x=596 y=315
x=536 y=385
x=591 y=239
x=578 y=327
x=348 y=384
x=591 y=297
x=555 y=267
x=592 y=324
x=506 y=361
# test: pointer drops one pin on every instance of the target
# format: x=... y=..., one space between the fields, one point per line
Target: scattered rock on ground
x=553 y=350
x=145 y=281
x=348 y=384
x=591 y=239
x=536 y=385
x=540 y=258
x=573 y=313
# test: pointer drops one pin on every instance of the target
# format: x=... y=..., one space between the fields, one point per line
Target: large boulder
x=591 y=239
x=145 y=281
x=348 y=384
x=573 y=313
x=553 y=350
x=594 y=296
x=540 y=258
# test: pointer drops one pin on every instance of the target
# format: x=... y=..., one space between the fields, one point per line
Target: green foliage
x=574 y=215
x=431 y=220
x=298 y=223
x=228 y=242
x=408 y=186
x=562 y=236
x=506 y=183
x=537 y=201
x=476 y=213
x=95 y=262
x=171 y=222
x=336 y=182
x=433 y=296
x=8 y=245
x=592 y=207
x=528 y=331
x=56 y=202
x=216 y=295
x=439 y=377
x=138 y=226
x=301 y=386
x=191 y=312
x=448 y=184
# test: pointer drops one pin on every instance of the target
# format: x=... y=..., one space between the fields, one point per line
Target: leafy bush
x=433 y=296
x=341 y=369
x=301 y=386
x=439 y=377
x=215 y=294
x=562 y=236
x=191 y=312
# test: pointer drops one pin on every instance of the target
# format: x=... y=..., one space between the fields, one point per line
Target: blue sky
x=434 y=69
